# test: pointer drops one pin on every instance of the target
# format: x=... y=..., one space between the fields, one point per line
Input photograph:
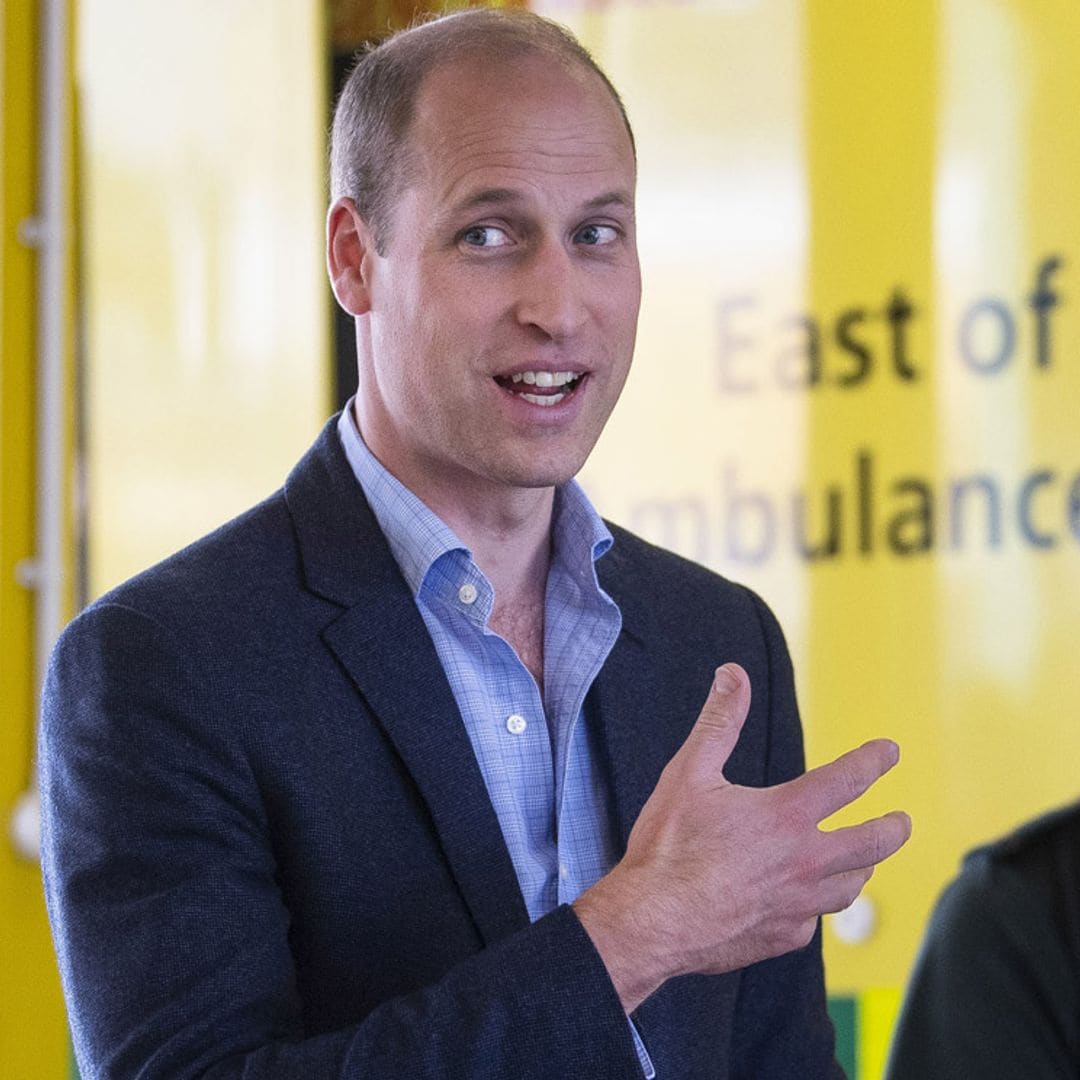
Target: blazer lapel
x=381 y=641
x=633 y=702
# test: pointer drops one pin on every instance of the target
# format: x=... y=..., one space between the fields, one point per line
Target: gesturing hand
x=718 y=876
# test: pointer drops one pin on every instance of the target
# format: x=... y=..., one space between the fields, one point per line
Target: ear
x=350 y=248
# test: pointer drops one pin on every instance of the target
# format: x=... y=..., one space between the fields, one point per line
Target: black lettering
x=1042 y=300
x=738 y=506
x=829 y=547
x=798 y=367
x=993 y=361
x=864 y=467
x=1074 y=507
x=898 y=313
x=854 y=347
x=1023 y=509
x=917 y=520
x=730 y=343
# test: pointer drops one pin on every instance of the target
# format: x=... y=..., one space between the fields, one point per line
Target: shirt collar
x=418 y=536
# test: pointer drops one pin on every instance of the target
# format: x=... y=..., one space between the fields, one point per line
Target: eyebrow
x=500 y=196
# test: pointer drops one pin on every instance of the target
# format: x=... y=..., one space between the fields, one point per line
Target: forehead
x=537 y=123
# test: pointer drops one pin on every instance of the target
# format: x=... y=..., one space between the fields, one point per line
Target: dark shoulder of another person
x=1040 y=860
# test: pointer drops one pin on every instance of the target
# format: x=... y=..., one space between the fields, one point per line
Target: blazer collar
x=380 y=639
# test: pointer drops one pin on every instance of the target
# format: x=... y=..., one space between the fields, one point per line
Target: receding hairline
x=496 y=34
x=498 y=76
x=408 y=60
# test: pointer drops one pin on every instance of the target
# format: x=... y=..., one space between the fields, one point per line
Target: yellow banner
x=857 y=385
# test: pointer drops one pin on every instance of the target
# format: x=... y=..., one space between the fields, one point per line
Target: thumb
x=721 y=718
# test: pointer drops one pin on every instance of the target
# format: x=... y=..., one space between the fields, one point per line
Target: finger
x=841 y=890
x=859 y=846
x=824 y=790
x=720 y=721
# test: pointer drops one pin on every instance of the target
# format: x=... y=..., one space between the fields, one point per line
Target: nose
x=551 y=294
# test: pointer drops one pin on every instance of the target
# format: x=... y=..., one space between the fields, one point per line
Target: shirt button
x=516 y=724
x=564 y=873
x=467 y=593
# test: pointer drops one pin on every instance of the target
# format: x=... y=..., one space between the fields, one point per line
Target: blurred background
x=856 y=385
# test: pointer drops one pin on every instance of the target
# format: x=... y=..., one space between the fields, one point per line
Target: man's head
x=496 y=287
x=369 y=149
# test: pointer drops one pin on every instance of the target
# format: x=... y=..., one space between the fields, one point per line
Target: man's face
x=502 y=315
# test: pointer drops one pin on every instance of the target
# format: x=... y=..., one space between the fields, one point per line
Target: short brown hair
x=375 y=109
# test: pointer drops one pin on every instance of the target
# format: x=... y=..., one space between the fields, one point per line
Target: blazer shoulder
x=248 y=566
x=667 y=582
x=1047 y=847
x=1028 y=870
x=234 y=560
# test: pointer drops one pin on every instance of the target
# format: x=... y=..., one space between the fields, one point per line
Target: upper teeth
x=544 y=378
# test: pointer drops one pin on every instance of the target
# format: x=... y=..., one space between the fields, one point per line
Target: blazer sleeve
x=171 y=933
x=782 y=1028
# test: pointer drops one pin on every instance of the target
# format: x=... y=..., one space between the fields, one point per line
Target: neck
x=509 y=537
x=507 y=528
x=508 y=532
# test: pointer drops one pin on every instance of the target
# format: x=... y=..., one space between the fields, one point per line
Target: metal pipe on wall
x=48 y=233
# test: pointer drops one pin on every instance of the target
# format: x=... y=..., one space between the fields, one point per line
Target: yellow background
x=206 y=308
x=810 y=158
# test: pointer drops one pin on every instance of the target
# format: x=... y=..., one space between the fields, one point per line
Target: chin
x=544 y=474
x=534 y=462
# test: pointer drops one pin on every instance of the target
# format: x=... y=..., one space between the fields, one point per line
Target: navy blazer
x=269 y=851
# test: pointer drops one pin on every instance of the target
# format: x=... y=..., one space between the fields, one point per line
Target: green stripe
x=843 y=1011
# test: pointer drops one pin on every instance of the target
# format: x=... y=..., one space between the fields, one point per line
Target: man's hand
x=718 y=876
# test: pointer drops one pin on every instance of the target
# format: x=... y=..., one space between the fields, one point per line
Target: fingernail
x=725 y=680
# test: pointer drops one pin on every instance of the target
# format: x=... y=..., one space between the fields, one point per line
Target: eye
x=485 y=236
x=596 y=235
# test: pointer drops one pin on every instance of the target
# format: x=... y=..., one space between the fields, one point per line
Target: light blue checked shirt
x=538 y=763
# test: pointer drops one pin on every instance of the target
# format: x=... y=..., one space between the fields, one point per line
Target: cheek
x=618 y=301
x=618 y=327
x=417 y=373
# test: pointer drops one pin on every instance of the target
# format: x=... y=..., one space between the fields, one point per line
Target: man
x=346 y=789
x=996 y=987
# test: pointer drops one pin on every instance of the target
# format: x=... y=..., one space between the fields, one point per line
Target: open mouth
x=541 y=387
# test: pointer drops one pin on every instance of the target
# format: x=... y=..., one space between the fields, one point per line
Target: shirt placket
x=515 y=747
